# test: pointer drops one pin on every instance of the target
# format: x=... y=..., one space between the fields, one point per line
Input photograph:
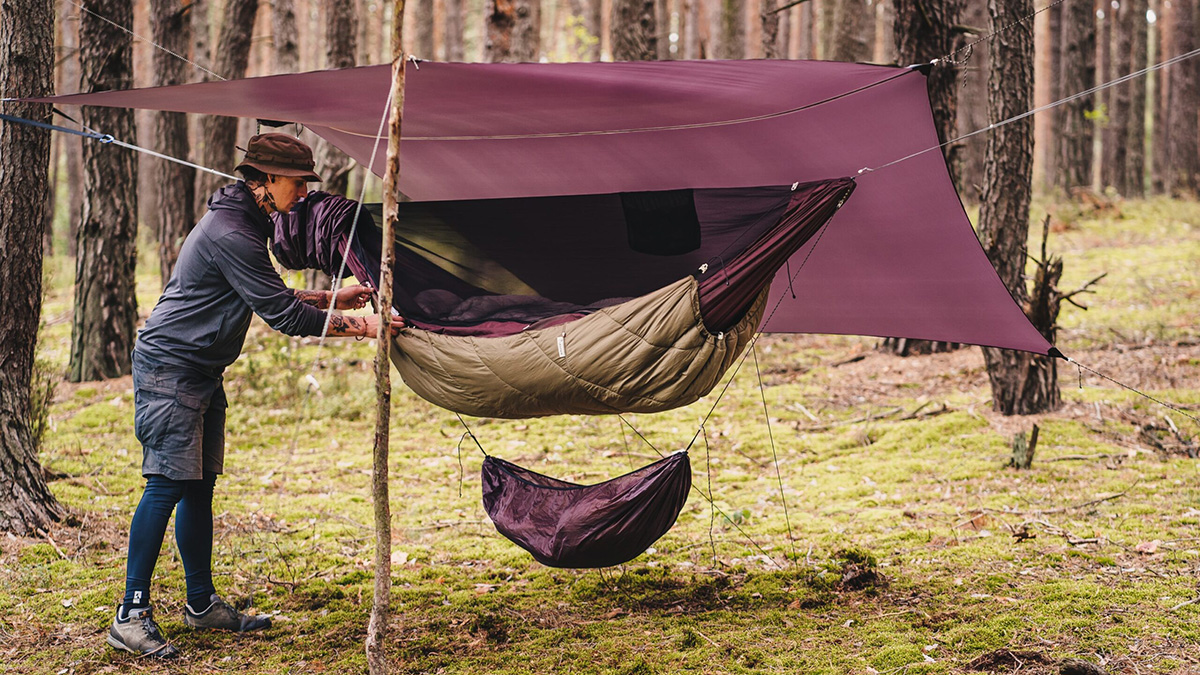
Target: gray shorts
x=179 y=418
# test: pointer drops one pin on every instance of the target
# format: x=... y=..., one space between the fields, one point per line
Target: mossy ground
x=913 y=549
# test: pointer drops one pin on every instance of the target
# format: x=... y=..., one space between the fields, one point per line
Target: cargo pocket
x=152 y=415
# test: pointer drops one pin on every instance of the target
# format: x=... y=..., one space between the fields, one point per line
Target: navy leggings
x=191 y=500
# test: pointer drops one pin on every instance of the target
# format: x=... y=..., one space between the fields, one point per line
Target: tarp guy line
x=151 y=42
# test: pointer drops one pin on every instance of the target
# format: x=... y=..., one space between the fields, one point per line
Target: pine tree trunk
x=341 y=33
x=1078 y=63
x=1118 y=117
x=1105 y=71
x=634 y=31
x=1022 y=383
x=972 y=102
x=691 y=30
x=770 y=30
x=885 y=30
x=732 y=42
x=925 y=30
x=26 y=69
x=1183 y=174
x=422 y=29
x=806 y=26
x=1135 y=140
x=513 y=31
x=1049 y=131
x=855 y=27
x=218 y=135
x=176 y=183
x=1160 y=156
x=453 y=28
x=284 y=31
x=102 y=331
x=73 y=144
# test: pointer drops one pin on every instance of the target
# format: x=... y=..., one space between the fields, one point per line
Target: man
x=196 y=330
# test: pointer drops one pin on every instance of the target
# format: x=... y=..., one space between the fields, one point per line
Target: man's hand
x=353 y=297
x=373 y=325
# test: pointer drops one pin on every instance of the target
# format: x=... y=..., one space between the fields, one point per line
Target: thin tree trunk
x=732 y=42
x=854 y=26
x=1183 y=175
x=102 y=331
x=201 y=38
x=634 y=32
x=26 y=69
x=1075 y=130
x=73 y=144
x=176 y=183
x=972 y=108
x=806 y=26
x=1160 y=146
x=453 y=27
x=1022 y=383
x=513 y=31
x=1118 y=119
x=422 y=29
x=377 y=626
x=925 y=30
x=770 y=29
x=1135 y=140
x=1105 y=70
x=885 y=43
x=219 y=134
x=284 y=32
x=1054 y=44
x=691 y=30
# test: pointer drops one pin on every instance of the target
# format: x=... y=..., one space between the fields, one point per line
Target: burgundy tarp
x=900 y=259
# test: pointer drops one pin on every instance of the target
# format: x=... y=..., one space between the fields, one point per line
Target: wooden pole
x=377 y=626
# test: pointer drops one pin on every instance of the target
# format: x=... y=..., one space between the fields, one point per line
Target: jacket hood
x=237 y=197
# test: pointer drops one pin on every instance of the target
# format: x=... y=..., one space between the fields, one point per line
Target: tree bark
x=1022 y=383
x=1183 y=174
x=176 y=183
x=1105 y=73
x=453 y=27
x=1160 y=156
x=218 y=135
x=634 y=31
x=1135 y=139
x=691 y=30
x=341 y=32
x=770 y=29
x=377 y=625
x=1118 y=116
x=854 y=26
x=285 y=36
x=1052 y=52
x=513 y=31
x=972 y=102
x=1078 y=73
x=925 y=30
x=73 y=144
x=26 y=69
x=732 y=42
x=885 y=30
x=102 y=331
x=422 y=29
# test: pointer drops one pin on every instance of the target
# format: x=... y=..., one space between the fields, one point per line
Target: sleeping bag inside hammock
x=584 y=304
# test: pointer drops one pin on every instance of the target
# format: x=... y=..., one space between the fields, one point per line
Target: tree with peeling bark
x=513 y=31
x=105 y=312
x=26 y=69
x=634 y=31
x=1022 y=383
x=218 y=134
x=171 y=23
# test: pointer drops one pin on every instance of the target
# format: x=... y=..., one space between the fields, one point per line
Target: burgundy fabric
x=567 y=525
x=900 y=259
x=315 y=233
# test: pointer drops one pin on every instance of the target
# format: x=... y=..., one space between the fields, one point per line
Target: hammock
x=567 y=525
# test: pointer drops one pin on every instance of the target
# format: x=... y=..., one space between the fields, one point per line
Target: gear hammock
x=567 y=525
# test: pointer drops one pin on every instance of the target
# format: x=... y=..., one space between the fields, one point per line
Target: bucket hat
x=280 y=155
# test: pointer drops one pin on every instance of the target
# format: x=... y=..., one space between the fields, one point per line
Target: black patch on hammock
x=661 y=223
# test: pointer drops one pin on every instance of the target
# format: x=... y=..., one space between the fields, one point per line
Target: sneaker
x=222 y=616
x=138 y=633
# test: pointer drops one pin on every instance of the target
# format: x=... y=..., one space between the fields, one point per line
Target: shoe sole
x=117 y=644
x=121 y=646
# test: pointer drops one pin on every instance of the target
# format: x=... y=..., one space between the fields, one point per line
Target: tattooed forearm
x=318 y=299
x=347 y=325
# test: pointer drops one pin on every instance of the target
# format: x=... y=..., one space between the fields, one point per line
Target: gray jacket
x=222 y=275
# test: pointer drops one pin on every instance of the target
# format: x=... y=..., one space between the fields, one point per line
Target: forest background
x=894 y=538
